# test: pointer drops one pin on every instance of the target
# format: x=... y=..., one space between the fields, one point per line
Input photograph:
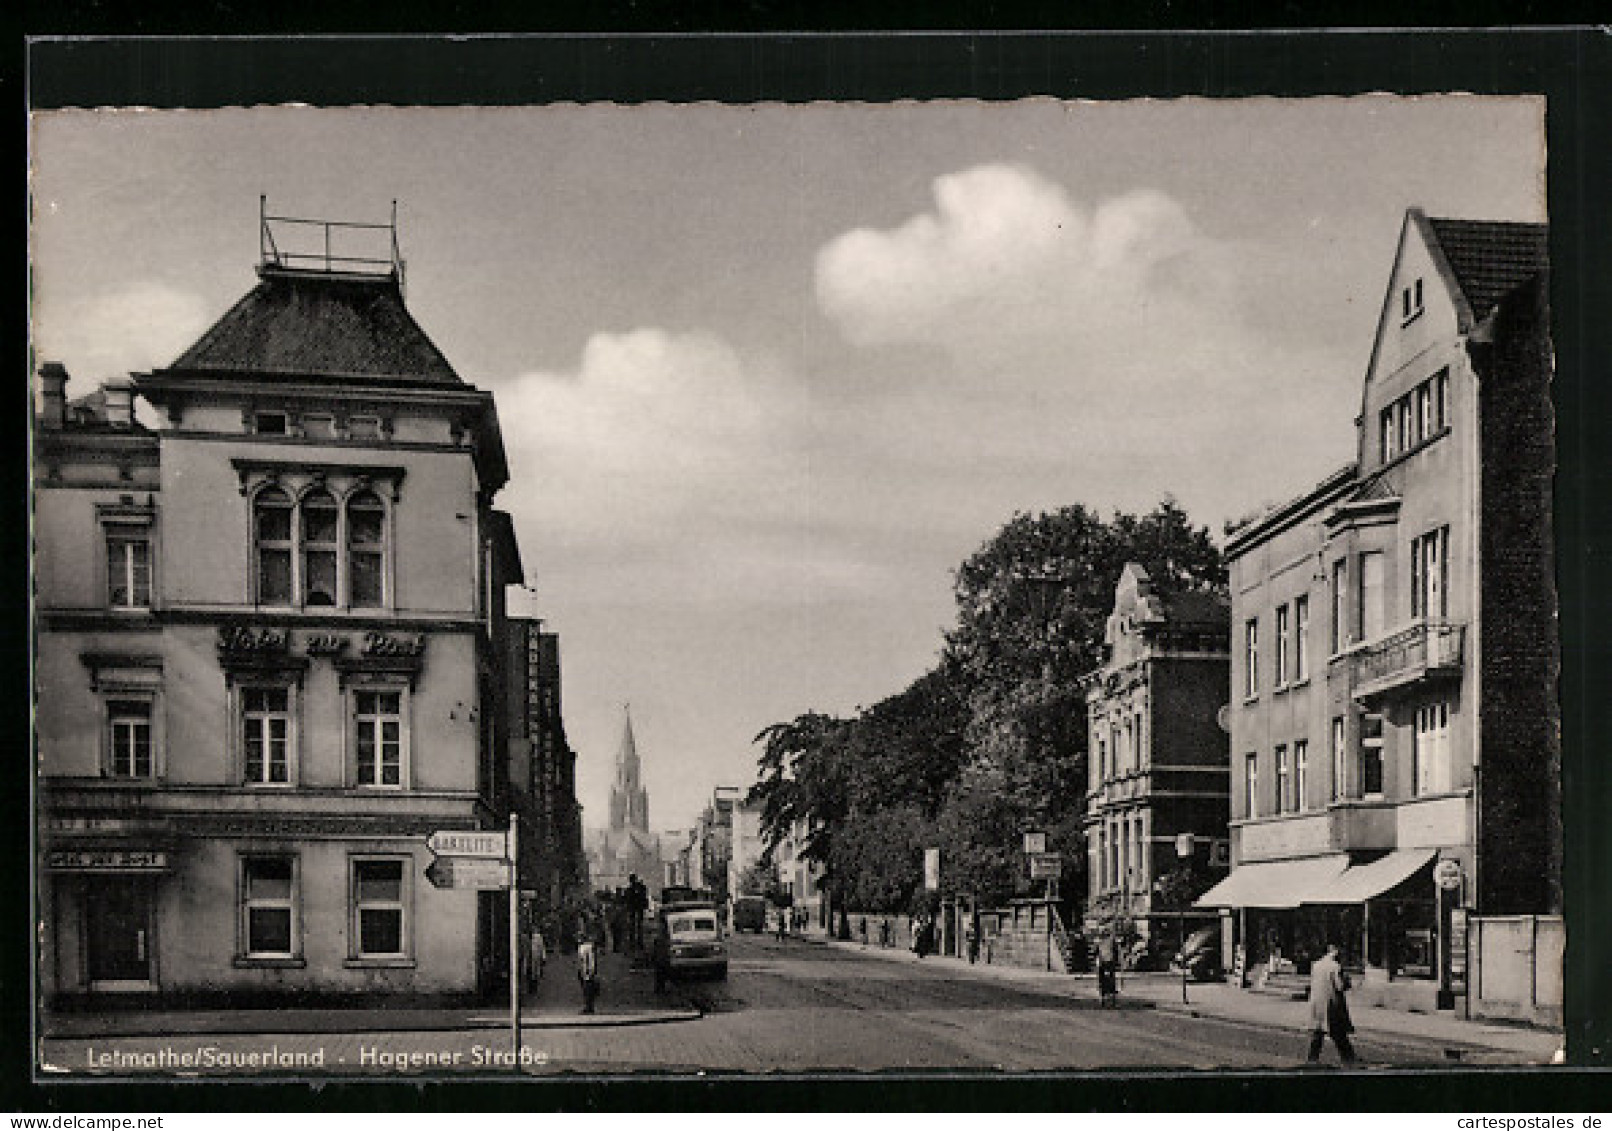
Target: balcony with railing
x=1421 y=653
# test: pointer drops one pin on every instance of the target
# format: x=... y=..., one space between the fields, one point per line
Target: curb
x=370 y=1022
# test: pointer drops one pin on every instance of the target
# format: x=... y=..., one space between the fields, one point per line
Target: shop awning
x=1279 y=883
x=1367 y=881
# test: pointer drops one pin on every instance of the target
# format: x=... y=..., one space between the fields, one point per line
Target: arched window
x=366 y=550
x=272 y=525
x=319 y=547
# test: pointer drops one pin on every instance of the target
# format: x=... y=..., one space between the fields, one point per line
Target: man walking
x=1329 y=1011
x=588 y=969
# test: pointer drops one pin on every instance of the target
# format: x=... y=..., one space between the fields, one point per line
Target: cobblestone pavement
x=786 y=1006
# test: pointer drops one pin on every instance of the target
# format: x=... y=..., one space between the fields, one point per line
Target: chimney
x=119 y=403
x=53 y=394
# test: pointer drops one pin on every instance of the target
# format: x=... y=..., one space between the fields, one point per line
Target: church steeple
x=629 y=802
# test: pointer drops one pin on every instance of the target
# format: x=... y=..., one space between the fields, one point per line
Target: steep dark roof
x=1195 y=608
x=1490 y=258
x=299 y=324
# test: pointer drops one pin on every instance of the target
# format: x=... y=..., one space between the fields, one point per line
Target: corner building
x=1395 y=749
x=1156 y=794
x=265 y=657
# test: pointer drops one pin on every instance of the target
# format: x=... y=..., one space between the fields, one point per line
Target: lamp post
x=1185 y=845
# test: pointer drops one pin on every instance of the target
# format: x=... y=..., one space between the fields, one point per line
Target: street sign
x=468 y=872
x=1035 y=843
x=488 y=846
x=1447 y=874
x=1046 y=865
x=932 y=869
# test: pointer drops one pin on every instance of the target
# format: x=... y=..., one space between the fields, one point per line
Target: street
x=791 y=1006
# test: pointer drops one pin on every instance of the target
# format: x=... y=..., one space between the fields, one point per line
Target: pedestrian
x=782 y=924
x=1329 y=1010
x=537 y=955
x=862 y=929
x=886 y=932
x=1108 y=972
x=971 y=939
x=588 y=970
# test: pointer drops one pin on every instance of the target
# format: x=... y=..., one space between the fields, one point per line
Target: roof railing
x=321 y=252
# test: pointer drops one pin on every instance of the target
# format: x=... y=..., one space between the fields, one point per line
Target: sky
x=768 y=374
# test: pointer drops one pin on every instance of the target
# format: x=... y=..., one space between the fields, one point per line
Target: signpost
x=487 y=846
x=1046 y=866
x=468 y=872
x=485 y=861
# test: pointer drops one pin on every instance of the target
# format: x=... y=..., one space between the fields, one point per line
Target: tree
x=992 y=742
x=1033 y=606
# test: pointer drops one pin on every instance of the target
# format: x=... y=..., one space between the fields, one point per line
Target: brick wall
x=1520 y=832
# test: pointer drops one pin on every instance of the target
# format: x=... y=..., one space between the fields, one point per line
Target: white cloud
x=1004 y=252
x=665 y=464
x=1097 y=353
x=140 y=327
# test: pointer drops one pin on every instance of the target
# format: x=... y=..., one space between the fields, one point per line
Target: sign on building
x=931 y=869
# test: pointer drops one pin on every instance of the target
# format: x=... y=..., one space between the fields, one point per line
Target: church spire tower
x=629 y=802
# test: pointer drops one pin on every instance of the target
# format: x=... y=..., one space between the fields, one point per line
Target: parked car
x=1200 y=955
x=688 y=941
x=750 y=914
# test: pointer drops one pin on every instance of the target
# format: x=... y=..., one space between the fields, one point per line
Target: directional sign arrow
x=440 y=872
x=468 y=872
x=454 y=842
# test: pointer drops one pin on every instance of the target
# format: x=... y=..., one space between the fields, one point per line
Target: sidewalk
x=1464 y=1042
x=627 y=997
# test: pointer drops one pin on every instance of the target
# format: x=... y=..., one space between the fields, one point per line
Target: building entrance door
x=117 y=933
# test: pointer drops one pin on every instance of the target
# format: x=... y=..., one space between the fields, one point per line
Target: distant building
x=746 y=845
x=626 y=847
x=1395 y=755
x=1157 y=755
x=266 y=638
x=801 y=878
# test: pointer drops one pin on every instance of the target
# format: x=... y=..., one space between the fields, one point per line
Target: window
x=128 y=567
x=364 y=428
x=1251 y=785
x=1251 y=659
x=269 y=424
x=268 y=906
x=272 y=522
x=1430 y=574
x=319 y=549
x=1390 y=448
x=1431 y=749
x=1301 y=639
x=1410 y=302
x=1340 y=762
x=1282 y=628
x=1371 y=755
x=1284 y=782
x=129 y=738
x=366 y=549
x=379 y=928
x=266 y=735
x=1371 y=595
x=379 y=739
x=318 y=425
x=1141 y=745
x=1441 y=399
x=1402 y=414
x=1340 y=604
x=317 y=552
x=1425 y=426
x=1102 y=759
x=1301 y=775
